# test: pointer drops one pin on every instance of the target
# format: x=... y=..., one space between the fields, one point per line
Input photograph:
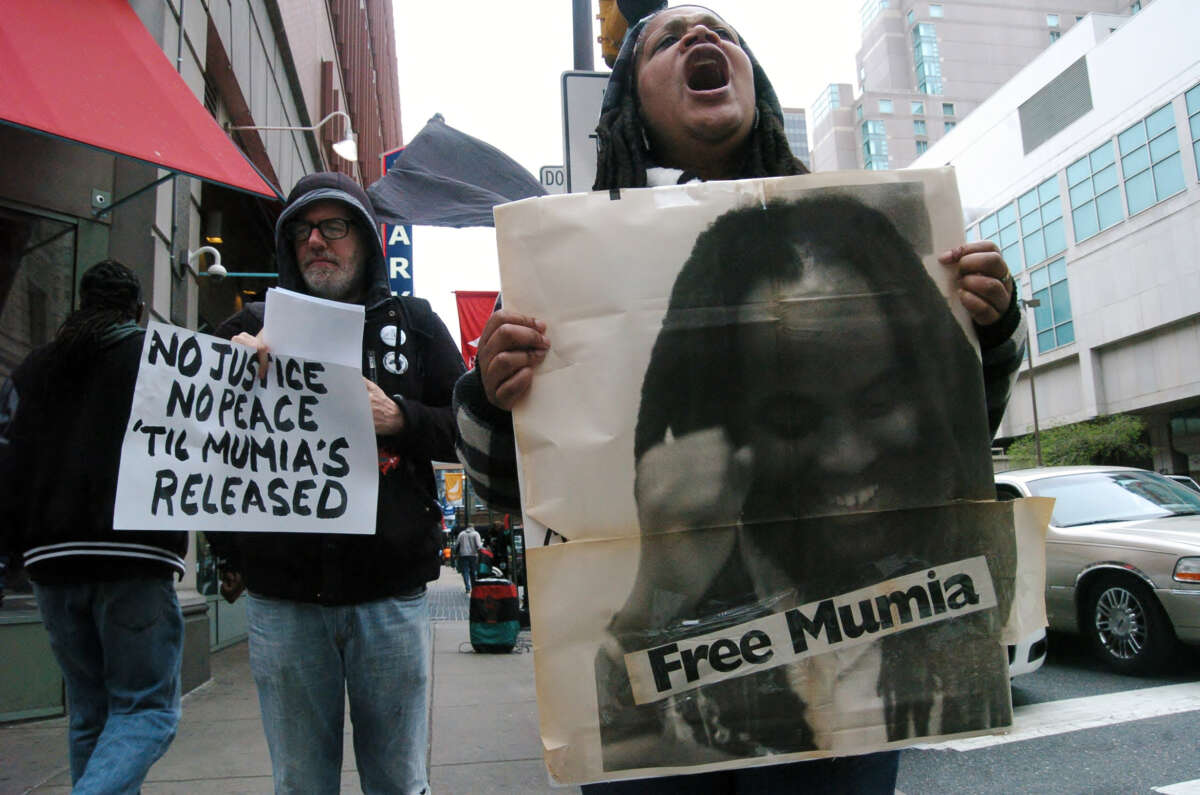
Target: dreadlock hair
x=623 y=156
x=109 y=296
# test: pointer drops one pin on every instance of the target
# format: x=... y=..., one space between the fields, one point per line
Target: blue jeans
x=867 y=774
x=120 y=645
x=469 y=566
x=306 y=658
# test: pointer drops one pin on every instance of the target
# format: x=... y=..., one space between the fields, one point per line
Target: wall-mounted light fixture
x=215 y=269
x=346 y=148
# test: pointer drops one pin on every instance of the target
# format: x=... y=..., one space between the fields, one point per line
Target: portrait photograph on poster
x=762 y=429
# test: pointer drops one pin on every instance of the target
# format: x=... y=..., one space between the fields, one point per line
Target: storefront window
x=37 y=282
x=37 y=285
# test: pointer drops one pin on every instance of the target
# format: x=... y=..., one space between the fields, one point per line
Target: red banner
x=474 y=308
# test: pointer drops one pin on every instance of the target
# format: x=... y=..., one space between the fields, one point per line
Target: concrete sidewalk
x=484 y=728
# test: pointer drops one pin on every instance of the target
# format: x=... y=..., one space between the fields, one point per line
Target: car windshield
x=1114 y=497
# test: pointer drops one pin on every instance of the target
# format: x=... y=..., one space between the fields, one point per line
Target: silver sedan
x=1122 y=559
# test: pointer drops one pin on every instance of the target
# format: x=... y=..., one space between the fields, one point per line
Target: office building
x=1083 y=169
x=795 y=126
x=924 y=66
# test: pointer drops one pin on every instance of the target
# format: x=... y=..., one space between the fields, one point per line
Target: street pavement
x=484 y=730
x=1084 y=733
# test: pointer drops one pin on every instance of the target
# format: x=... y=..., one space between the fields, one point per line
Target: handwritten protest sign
x=210 y=447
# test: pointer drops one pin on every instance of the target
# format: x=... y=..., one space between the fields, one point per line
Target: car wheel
x=1126 y=626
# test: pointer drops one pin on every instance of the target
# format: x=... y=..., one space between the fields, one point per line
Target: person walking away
x=107 y=598
x=467 y=545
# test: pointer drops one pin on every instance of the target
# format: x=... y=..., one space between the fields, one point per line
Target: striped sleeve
x=486 y=446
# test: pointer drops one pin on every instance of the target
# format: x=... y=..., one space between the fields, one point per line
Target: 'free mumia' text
x=862 y=616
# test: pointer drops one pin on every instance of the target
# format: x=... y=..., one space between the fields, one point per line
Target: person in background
x=687 y=101
x=332 y=616
x=107 y=598
x=467 y=547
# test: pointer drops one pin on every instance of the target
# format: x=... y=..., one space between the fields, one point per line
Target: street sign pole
x=582 y=96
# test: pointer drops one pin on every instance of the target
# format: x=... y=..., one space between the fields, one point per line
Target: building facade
x=924 y=66
x=795 y=126
x=1084 y=169
x=248 y=63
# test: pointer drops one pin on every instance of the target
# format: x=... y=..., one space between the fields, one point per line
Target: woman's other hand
x=985 y=285
x=510 y=346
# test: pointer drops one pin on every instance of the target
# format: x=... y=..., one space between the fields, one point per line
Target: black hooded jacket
x=409 y=353
x=59 y=456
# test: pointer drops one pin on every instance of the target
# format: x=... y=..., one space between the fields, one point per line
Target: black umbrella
x=447 y=178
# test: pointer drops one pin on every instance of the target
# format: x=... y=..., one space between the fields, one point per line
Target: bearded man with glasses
x=331 y=615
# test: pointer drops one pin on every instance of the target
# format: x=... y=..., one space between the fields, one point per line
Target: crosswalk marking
x=1182 y=788
x=1073 y=714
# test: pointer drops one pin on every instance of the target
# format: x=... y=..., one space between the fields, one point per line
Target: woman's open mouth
x=706 y=69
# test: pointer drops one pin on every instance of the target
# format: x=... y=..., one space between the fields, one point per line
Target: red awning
x=91 y=73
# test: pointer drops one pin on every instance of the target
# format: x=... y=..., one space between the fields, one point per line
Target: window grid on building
x=936 y=11
x=885 y=106
x=972 y=234
x=1092 y=186
x=947 y=108
x=922 y=146
x=918 y=108
x=947 y=126
x=1052 y=316
x=1001 y=228
x=1193 y=109
x=919 y=127
x=869 y=10
x=830 y=99
x=1150 y=160
x=1042 y=233
x=875 y=148
x=925 y=59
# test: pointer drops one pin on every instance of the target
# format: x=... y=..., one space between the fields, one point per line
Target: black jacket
x=59 y=457
x=409 y=353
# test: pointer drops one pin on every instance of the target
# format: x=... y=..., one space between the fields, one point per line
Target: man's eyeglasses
x=331 y=229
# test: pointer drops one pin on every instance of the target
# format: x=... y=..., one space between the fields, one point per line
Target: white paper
x=313 y=328
x=205 y=450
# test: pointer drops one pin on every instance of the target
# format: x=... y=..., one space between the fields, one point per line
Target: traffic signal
x=615 y=18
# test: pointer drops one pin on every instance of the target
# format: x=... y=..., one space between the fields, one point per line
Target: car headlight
x=1187 y=570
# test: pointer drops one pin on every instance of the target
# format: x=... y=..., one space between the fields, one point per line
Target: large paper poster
x=210 y=447
x=761 y=427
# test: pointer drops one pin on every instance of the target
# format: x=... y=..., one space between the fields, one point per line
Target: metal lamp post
x=1029 y=303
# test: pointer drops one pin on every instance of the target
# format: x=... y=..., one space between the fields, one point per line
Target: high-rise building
x=795 y=126
x=923 y=66
x=1085 y=170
